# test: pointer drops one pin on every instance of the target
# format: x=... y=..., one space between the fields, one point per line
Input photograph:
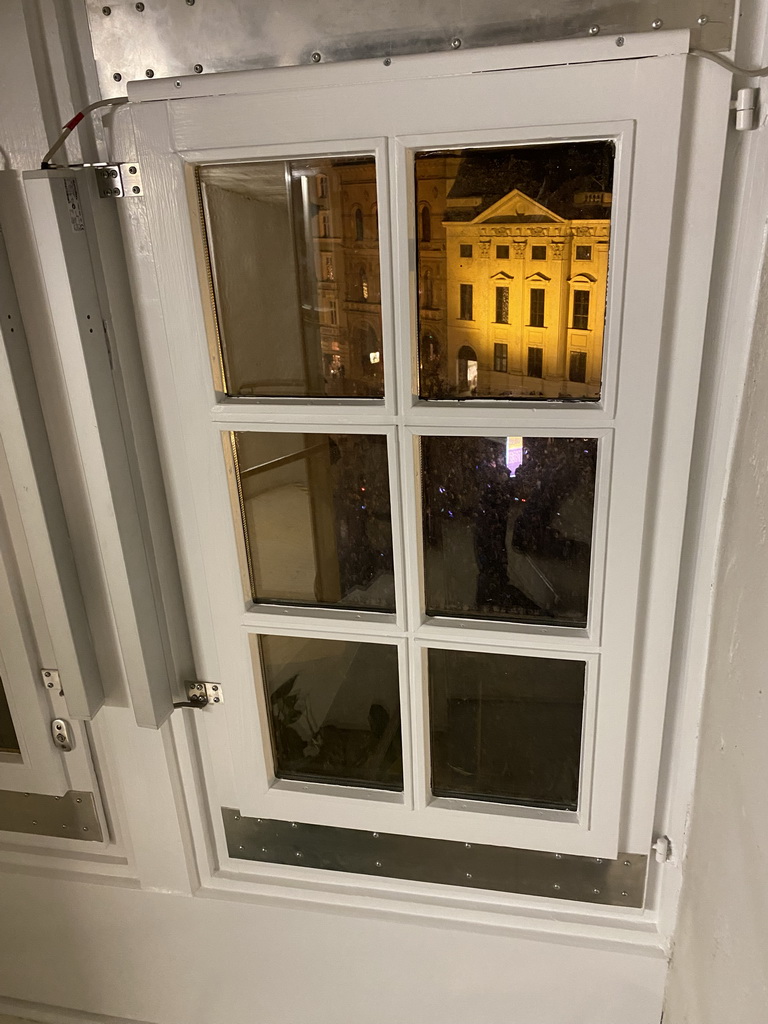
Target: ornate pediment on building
x=501 y=276
x=582 y=278
x=538 y=276
x=517 y=208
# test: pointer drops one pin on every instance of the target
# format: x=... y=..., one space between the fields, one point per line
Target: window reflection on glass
x=506 y=728
x=508 y=527
x=9 y=743
x=536 y=222
x=334 y=708
x=317 y=518
x=287 y=242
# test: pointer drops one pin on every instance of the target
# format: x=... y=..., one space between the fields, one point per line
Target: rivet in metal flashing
x=657 y=23
x=64 y=826
x=387 y=61
x=594 y=30
x=375 y=835
x=55 y=798
x=378 y=863
x=294 y=825
x=258 y=820
x=469 y=875
x=556 y=887
x=34 y=822
x=598 y=860
x=702 y=20
x=558 y=856
x=316 y=57
x=596 y=892
x=627 y=863
x=106 y=11
x=78 y=800
x=619 y=40
x=240 y=847
x=117 y=76
x=149 y=73
x=177 y=83
x=455 y=43
x=237 y=817
x=139 y=8
x=625 y=894
x=85 y=828
x=298 y=854
x=263 y=849
x=198 y=69
x=467 y=846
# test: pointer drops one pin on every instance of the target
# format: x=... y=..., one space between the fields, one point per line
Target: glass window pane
x=334 y=709
x=506 y=728
x=317 y=518
x=294 y=263
x=508 y=527
x=537 y=222
x=9 y=744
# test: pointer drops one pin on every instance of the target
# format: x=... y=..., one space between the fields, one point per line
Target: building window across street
x=535 y=361
x=465 y=302
x=577 y=371
x=500 y=352
x=537 y=307
x=580 y=310
x=502 y=305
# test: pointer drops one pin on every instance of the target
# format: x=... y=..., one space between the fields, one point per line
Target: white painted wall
x=720 y=959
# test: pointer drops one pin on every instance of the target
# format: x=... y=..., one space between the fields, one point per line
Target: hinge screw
x=703 y=20
x=316 y=57
x=106 y=11
x=455 y=43
x=149 y=73
x=198 y=69
x=117 y=76
x=594 y=30
x=657 y=23
x=135 y=190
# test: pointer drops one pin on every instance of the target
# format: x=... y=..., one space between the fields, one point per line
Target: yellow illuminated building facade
x=526 y=301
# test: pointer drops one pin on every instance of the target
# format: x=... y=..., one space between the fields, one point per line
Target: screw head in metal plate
x=703 y=20
x=316 y=57
x=132 y=169
x=198 y=69
x=556 y=887
x=594 y=30
x=117 y=76
x=378 y=863
x=190 y=3
x=387 y=61
x=139 y=8
x=455 y=43
x=620 y=40
x=149 y=73
x=657 y=23
x=135 y=190
x=106 y=11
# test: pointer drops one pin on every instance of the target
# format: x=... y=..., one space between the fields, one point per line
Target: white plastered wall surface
x=124 y=935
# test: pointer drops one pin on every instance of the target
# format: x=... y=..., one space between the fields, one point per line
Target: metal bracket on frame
x=200 y=695
x=119 y=181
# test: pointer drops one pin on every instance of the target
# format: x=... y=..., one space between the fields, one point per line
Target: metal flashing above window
x=71 y=816
x=616 y=883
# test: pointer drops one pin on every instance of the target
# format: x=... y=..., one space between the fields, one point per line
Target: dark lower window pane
x=536 y=220
x=9 y=743
x=508 y=527
x=578 y=367
x=316 y=516
x=506 y=728
x=294 y=263
x=334 y=708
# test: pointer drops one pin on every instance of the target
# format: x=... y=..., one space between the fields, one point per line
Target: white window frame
x=172 y=138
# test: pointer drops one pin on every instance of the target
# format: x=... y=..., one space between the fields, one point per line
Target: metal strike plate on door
x=61 y=734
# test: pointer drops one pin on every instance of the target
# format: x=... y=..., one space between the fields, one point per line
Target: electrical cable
x=72 y=124
x=730 y=66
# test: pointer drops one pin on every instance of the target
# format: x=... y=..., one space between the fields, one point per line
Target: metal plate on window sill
x=616 y=883
x=71 y=816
